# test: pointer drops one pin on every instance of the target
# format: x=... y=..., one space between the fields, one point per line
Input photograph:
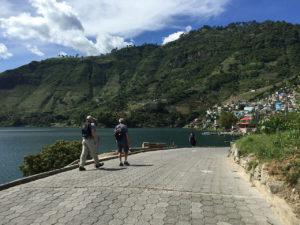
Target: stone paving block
x=182 y=186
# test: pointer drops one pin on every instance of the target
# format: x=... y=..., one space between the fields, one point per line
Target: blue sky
x=39 y=29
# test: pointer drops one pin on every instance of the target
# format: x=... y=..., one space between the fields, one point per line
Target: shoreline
x=203 y=132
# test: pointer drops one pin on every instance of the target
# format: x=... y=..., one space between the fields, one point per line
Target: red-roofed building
x=246 y=124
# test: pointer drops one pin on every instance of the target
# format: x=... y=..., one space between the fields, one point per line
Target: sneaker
x=121 y=164
x=99 y=165
x=81 y=168
x=126 y=163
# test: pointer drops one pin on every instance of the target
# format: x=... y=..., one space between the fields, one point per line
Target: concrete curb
x=67 y=168
x=35 y=177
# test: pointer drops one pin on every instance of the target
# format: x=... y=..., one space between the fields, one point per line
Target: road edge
x=67 y=168
x=277 y=204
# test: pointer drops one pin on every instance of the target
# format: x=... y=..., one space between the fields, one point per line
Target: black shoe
x=121 y=164
x=81 y=168
x=99 y=165
x=126 y=163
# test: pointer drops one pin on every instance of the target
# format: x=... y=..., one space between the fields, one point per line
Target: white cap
x=89 y=117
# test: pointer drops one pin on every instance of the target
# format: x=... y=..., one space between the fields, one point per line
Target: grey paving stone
x=183 y=186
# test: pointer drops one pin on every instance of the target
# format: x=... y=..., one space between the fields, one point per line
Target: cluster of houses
x=249 y=113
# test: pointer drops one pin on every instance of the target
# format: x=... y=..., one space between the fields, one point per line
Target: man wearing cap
x=90 y=143
x=122 y=140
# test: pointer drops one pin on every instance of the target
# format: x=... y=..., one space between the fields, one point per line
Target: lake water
x=15 y=143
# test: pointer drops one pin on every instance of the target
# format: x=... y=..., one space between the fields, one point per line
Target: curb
x=35 y=177
x=67 y=168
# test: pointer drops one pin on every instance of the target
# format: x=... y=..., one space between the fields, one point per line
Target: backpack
x=119 y=134
x=86 y=130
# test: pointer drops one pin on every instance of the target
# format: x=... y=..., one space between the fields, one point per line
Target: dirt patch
x=292 y=199
x=288 y=170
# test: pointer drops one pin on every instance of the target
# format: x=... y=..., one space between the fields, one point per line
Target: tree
x=227 y=119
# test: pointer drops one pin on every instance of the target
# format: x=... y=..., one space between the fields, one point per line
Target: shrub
x=280 y=122
x=227 y=119
x=51 y=157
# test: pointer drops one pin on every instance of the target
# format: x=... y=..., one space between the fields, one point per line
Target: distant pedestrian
x=90 y=143
x=192 y=139
x=122 y=140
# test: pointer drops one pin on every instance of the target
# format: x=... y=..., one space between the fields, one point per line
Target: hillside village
x=249 y=113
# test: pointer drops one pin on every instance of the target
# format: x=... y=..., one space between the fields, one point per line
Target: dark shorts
x=123 y=147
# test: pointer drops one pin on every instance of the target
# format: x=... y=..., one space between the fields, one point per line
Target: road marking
x=206 y=171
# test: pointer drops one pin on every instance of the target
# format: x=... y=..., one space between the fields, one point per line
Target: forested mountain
x=153 y=85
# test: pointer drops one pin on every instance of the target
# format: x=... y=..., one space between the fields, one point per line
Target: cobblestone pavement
x=182 y=186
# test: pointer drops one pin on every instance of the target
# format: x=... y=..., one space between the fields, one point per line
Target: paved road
x=182 y=186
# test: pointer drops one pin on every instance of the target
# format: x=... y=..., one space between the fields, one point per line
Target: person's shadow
x=140 y=165
x=123 y=168
x=111 y=169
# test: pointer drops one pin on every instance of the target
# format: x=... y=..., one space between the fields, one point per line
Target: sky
x=39 y=29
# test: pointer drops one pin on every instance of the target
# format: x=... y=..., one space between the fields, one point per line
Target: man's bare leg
x=126 y=162
x=120 y=157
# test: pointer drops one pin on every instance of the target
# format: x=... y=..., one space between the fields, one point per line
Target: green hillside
x=153 y=85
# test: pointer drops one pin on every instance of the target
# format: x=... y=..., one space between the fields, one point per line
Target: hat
x=89 y=117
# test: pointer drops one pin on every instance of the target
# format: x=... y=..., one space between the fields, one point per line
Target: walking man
x=90 y=143
x=122 y=140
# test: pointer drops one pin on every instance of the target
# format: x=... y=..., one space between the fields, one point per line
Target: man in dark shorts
x=122 y=140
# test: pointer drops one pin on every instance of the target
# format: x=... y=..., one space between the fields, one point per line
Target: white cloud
x=34 y=49
x=188 y=28
x=128 y=18
x=62 y=53
x=106 y=42
x=4 y=54
x=172 y=37
x=55 y=23
x=75 y=23
x=176 y=35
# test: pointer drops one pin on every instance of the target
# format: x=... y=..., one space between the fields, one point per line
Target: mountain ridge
x=152 y=85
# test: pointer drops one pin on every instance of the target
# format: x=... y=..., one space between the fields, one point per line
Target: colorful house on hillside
x=278 y=105
x=239 y=114
x=246 y=124
x=248 y=109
